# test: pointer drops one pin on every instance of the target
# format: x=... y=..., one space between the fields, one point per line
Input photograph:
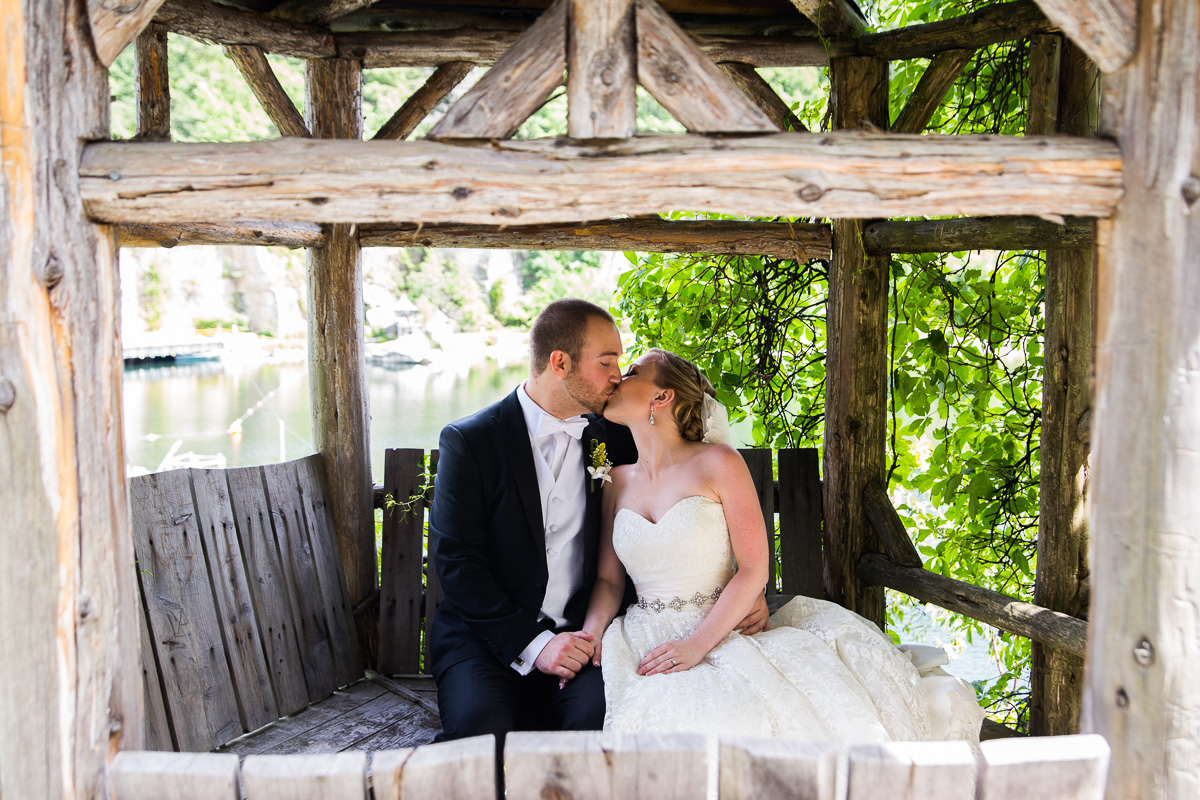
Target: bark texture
x=1056 y=697
x=337 y=382
x=856 y=364
x=1143 y=680
x=70 y=690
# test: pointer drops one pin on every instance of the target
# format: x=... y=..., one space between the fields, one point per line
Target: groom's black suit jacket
x=487 y=538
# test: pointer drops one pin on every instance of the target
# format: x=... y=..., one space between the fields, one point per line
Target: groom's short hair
x=562 y=325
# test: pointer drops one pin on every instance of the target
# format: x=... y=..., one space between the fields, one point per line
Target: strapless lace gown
x=820 y=673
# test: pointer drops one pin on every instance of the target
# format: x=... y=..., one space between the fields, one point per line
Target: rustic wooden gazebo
x=1113 y=211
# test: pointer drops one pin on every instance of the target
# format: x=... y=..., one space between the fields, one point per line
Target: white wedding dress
x=820 y=673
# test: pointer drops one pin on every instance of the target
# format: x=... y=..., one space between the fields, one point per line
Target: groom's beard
x=592 y=399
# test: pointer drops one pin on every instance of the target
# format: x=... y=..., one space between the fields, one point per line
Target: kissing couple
x=603 y=556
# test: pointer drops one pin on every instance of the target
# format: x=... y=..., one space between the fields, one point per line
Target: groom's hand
x=758 y=620
x=565 y=655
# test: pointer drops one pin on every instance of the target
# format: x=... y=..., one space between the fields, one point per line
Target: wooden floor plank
x=316 y=715
x=342 y=732
x=411 y=731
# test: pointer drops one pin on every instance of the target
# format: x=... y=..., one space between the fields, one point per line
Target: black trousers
x=481 y=696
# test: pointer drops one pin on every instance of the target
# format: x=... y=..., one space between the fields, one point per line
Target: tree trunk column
x=1056 y=696
x=70 y=683
x=856 y=362
x=337 y=381
x=1143 y=676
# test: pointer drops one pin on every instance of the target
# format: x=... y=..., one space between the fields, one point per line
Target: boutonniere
x=600 y=466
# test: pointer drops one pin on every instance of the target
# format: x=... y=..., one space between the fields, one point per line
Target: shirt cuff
x=524 y=662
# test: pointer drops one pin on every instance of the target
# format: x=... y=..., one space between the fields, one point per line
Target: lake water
x=197 y=404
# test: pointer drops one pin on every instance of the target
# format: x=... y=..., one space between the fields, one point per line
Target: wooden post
x=601 y=64
x=153 y=88
x=1056 y=697
x=1143 y=679
x=337 y=384
x=856 y=363
x=70 y=686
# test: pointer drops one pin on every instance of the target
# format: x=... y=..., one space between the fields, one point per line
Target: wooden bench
x=409 y=593
x=245 y=615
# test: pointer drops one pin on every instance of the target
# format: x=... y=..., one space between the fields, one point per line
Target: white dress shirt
x=558 y=460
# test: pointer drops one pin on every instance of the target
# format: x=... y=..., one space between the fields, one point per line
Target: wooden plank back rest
x=246 y=616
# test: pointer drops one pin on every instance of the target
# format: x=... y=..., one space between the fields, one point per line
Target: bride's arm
x=610 y=572
x=731 y=481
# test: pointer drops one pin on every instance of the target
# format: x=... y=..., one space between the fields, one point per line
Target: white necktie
x=572 y=426
x=549 y=426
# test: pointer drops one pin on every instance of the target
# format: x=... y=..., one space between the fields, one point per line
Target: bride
x=684 y=522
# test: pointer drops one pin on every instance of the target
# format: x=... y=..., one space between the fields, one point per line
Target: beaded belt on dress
x=677 y=603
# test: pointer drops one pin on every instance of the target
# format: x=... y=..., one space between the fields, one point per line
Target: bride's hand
x=676 y=656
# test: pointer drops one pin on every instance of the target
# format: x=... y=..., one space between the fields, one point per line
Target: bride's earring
x=651 y=415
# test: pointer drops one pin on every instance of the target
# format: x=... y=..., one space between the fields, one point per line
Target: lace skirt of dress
x=820 y=673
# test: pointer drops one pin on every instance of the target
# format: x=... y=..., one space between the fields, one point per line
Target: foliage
x=151 y=296
x=754 y=324
x=448 y=285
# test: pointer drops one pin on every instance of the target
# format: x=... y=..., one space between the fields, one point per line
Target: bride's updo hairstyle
x=690 y=385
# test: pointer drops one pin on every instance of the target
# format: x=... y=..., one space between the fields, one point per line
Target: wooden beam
x=746 y=78
x=153 y=87
x=838 y=174
x=686 y=82
x=1106 y=30
x=417 y=107
x=719 y=237
x=336 y=340
x=977 y=233
x=601 y=70
x=1041 y=106
x=1040 y=624
x=115 y=25
x=1003 y=22
x=835 y=19
x=482 y=47
x=1143 y=673
x=939 y=76
x=855 y=363
x=252 y=63
x=247 y=232
x=520 y=82
x=70 y=686
x=213 y=23
x=802 y=242
x=320 y=12
x=886 y=522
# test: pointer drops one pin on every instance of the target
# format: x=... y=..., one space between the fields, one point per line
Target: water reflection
x=199 y=404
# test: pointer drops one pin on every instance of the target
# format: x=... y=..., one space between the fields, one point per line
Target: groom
x=514 y=531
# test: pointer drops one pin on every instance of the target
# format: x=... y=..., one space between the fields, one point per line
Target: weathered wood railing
x=409 y=593
x=586 y=765
x=245 y=616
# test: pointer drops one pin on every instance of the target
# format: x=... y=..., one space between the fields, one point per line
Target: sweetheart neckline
x=669 y=510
